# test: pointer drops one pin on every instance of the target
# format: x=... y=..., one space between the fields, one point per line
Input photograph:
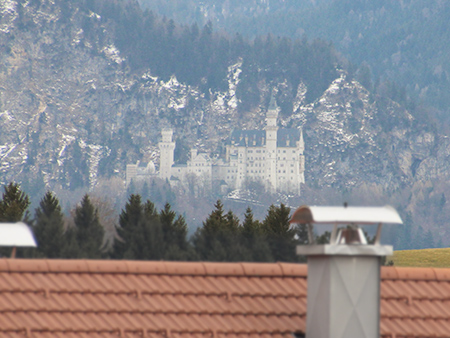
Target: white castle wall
x=280 y=164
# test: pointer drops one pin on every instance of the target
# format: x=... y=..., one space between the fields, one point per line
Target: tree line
x=200 y=56
x=145 y=233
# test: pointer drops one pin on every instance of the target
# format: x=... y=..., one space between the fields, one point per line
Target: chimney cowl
x=344 y=275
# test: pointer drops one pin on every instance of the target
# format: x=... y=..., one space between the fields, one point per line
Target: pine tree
x=219 y=237
x=254 y=239
x=71 y=248
x=140 y=234
x=89 y=231
x=280 y=236
x=206 y=243
x=13 y=208
x=153 y=240
x=14 y=204
x=174 y=232
x=129 y=221
x=49 y=227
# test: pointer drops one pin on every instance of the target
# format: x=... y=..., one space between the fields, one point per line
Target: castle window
x=292 y=171
x=284 y=151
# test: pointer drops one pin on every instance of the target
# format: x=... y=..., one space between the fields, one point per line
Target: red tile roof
x=73 y=298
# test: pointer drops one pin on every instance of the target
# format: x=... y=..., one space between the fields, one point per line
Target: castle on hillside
x=273 y=156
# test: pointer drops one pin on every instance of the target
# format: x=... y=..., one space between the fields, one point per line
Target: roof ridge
x=153 y=267
x=415 y=273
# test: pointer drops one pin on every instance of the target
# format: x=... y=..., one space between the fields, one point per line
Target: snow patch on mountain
x=95 y=152
x=233 y=81
x=112 y=53
x=5 y=151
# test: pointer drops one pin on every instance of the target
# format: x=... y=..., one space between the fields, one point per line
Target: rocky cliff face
x=71 y=111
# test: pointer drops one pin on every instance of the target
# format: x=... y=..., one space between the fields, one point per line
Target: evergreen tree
x=14 y=204
x=13 y=208
x=153 y=240
x=89 y=231
x=49 y=227
x=174 y=232
x=279 y=234
x=254 y=239
x=218 y=238
x=140 y=234
x=129 y=222
x=71 y=248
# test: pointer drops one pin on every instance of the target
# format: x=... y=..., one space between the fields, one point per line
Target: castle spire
x=272 y=103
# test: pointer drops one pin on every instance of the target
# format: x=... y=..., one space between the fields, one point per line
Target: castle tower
x=271 y=144
x=301 y=147
x=166 y=148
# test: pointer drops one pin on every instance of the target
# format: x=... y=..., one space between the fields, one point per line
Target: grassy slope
x=436 y=258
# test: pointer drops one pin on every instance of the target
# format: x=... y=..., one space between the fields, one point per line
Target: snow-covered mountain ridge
x=71 y=112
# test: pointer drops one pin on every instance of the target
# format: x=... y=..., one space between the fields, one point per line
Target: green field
x=436 y=258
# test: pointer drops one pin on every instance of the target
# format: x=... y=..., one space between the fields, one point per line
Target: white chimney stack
x=344 y=275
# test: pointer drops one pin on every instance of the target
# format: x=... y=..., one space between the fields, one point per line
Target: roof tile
x=76 y=298
x=26 y=265
x=223 y=269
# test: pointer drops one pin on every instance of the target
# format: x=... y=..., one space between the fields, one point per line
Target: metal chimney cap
x=16 y=234
x=345 y=215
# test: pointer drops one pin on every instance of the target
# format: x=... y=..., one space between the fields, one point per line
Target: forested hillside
x=87 y=87
x=406 y=42
x=200 y=56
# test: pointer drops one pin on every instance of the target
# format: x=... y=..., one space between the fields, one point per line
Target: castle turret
x=166 y=148
x=193 y=154
x=271 y=143
x=301 y=148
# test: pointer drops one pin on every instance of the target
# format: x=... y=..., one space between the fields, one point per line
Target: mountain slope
x=401 y=41
x=74 y=108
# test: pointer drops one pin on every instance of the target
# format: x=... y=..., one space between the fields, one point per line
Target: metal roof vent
x=344 y=275
x=352 y=235
x=16 y=235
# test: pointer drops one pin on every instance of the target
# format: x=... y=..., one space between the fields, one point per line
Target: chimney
x=344 y=275
x=16 y=235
